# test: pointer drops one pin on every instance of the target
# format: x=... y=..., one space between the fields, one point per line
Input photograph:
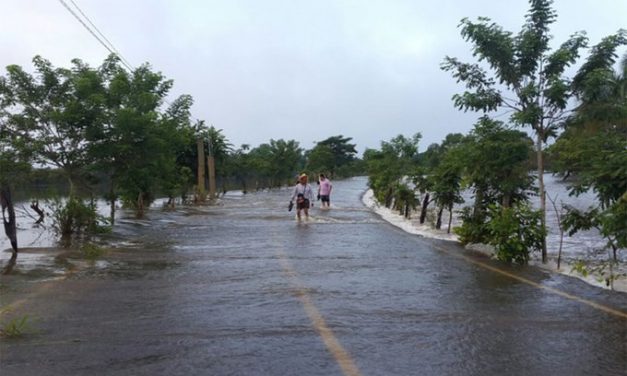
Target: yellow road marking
x=342 y=357
x=566 y=295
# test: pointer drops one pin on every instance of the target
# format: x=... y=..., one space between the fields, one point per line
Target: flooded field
x=241 y=288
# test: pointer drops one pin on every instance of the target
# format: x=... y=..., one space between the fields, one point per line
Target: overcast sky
x=303 y=70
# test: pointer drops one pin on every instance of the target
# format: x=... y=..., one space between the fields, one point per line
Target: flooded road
x=242 y=289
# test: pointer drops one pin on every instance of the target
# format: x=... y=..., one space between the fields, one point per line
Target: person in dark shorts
x=303 y=195
x=324 y=192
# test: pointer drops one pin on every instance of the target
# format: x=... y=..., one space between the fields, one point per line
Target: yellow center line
x=342 y=357
x=601 y=307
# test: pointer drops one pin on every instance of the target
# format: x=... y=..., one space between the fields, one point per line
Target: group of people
x=303 y=194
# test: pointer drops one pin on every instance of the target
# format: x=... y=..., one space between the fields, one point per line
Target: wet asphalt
x=241 y=288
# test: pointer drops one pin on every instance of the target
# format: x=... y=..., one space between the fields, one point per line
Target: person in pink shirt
x=324 y=192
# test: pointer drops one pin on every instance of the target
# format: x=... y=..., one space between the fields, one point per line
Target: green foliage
x=16 y=327
x=404 y=199
x=525 y=78
x=473 y=228
x=515 y=232
x=92 y=251
x=604 y=272
x=592 y=148
x=331 y=154
x=75 y=217
x=321 y=159
x=386 y=168
x=494 y=163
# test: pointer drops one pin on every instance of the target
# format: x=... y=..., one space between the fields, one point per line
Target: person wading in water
x=324 y=192
x=303 y=195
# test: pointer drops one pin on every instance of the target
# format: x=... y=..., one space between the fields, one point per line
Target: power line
x=124 y=60
x=110 y=47
x=93 y=34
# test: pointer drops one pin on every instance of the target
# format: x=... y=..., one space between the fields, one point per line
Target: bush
x=75 y=217
x=473 y=229
x=515 y=232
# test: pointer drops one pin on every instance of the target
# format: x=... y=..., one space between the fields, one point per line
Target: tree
x=398 y=158
x=592 y=148
x=440 y=173
x=495 y=167
x=527 y=78
x=177 y=177
x=136 y=143
x=446 y=187
x=341 y=150
x=321 y=159
x=286 y=157
x=49 y=114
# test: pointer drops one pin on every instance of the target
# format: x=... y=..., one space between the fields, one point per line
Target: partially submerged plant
x=16 y=327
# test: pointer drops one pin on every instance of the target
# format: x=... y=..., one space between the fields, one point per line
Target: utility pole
x=201 y=169
x=211 y=164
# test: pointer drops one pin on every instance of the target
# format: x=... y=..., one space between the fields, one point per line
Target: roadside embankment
x=413 y=226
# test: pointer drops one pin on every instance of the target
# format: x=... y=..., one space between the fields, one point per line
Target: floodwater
x=241 y=288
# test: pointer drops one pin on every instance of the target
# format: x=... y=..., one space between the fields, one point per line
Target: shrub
x=75 y=217
x=515 y=231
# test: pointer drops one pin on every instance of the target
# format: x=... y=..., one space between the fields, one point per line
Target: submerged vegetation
x=107 y=132
x=518 y=73
x=110 y=133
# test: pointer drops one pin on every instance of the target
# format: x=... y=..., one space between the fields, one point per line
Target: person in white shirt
x=303 y=194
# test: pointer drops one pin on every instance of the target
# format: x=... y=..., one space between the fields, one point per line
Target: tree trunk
x=200 y=147
x=507 y=200
x=478 y=208
x=450 y=218
x=423 y=210
x=10 y=228
x=139 y=210
x=542 y=192
x=211 y=165
x=438 y=222
x=112 y=204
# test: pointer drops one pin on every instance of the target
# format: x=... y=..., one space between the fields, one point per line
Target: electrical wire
x=124 y=60
x=110 y=49
x=109 y=46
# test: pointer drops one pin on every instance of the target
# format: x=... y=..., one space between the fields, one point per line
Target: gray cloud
x=294 y=69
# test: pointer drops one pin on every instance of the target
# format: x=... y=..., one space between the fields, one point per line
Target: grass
x=16 y=327
x=92 y=251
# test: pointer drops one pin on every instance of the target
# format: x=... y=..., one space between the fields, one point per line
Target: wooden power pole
x=201 y=169
x=211 y=165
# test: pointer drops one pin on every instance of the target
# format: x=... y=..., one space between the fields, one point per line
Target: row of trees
x=106 y=126
x=520 y=75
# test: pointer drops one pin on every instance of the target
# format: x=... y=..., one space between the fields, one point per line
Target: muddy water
x=230 y=290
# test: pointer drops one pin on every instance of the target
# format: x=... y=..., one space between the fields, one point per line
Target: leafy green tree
x=49 y=114
x=515 y=231
x=495 y=167
x=320 y=159
x=341 y=149
x=527 y=78
x=261 y=163
x=240 y=167
x=447 y=177
x=178 y=178
x=397 y=159
x=136 y=143
x=440 y=173
x=592 y=148
x=285 y=159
